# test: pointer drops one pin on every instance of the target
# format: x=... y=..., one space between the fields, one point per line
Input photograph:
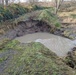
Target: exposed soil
x=27 y=27
x=71 y=58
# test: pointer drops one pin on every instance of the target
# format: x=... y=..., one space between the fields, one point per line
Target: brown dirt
x=71 y=58
x=26 y=27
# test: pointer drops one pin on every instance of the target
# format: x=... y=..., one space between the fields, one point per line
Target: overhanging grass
x=48 y=16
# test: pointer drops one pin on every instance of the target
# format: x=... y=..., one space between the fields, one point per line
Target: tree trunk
x=57 y=5
x=6 y=1
x=3 y=2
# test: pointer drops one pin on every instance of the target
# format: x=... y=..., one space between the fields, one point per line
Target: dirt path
x=61 y=46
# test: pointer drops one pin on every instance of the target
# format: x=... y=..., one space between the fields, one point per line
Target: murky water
x=57 y=44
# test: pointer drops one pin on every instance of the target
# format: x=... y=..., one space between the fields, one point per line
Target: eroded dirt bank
x=33 y=26
x=27 y=27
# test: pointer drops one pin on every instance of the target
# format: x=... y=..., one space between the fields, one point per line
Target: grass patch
x=3 y=43
x=3 y=59
x=14 y=45
x=35 y=59
x=48 y=16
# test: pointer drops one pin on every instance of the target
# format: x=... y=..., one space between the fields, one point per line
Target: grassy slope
x=32 y=59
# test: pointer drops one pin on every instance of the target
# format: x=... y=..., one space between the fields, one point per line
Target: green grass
x=34 y=59
x=12 y=11
x=2 y=59
x=50 y=18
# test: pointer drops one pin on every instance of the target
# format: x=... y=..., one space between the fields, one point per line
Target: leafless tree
x=0 y=2
x=57 y=4
x=6 y=2
x=3 y=2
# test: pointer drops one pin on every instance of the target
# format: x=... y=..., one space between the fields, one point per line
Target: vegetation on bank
x=15 y=10
x=11 y=11
x=50 y=18
x=33 y=59
x=44 y=14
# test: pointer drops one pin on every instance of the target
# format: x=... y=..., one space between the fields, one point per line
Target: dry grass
x=66 y=16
